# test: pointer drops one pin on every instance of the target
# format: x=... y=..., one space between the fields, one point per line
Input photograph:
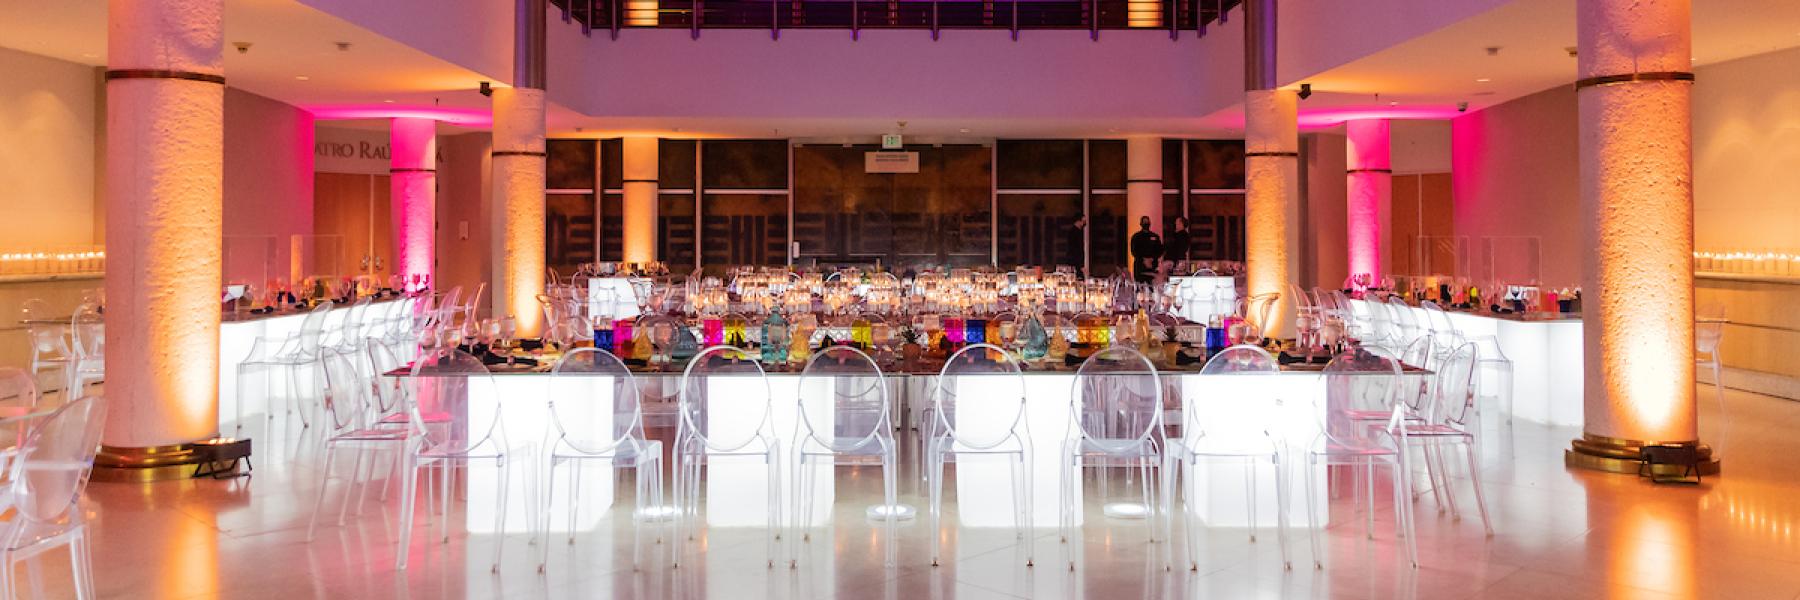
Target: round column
x=1143 y=182
x=1370 y=186
x=1271 y=185
x=412 y=147
x=1638 y=224
x=519 y=190
x=165 y=101
x=639 y=172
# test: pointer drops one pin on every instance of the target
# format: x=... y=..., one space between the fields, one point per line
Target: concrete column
x=412 y=147
x=1638 y=225
x=1143 y=182
x=519 y=193
x=519 y=171
x=1371 y=193
x=639 y=169
x=165 y=116
x=1271 y=170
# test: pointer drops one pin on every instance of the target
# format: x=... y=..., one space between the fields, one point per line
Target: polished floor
x=1560 y=534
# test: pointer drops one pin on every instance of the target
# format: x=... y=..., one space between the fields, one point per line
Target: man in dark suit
x=1175 y=246
x=1146 y=250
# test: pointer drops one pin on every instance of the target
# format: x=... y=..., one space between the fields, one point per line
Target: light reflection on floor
x=1561 y=534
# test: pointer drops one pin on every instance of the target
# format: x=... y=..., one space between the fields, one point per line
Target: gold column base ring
x=1615 y=455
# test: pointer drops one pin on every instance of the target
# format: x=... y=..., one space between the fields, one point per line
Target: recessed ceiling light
x=387 y=101
x=1393 y=104
x=963 y=130
x=302 y=77
x=89 y=55
x=1483 y=80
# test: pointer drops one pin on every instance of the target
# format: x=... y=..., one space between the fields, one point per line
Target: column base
x=1613 y=455
x=218 y=457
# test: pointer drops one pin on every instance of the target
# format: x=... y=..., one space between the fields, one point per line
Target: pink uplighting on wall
x=472 y=117
x=1369 y=187
x=1331 y=117
x=413 y=182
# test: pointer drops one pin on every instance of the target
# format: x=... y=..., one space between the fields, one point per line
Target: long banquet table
x=238 y=333
x=736 y=496
x=1546 y=355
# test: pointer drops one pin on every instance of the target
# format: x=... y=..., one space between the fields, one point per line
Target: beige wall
x=1747 y=154
x=268 y=184
x=47 y=166
x=1324 y=262
x=1515 y=173
x=1419 y=146
x=463 y=202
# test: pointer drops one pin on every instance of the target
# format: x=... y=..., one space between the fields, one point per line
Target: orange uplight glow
x=1143 y=13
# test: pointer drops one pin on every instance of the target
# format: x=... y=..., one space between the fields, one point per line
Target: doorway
x=353 y=209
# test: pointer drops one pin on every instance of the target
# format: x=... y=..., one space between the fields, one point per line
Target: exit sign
x=891 y=141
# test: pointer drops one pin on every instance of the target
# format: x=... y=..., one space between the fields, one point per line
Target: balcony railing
x=1173 y=16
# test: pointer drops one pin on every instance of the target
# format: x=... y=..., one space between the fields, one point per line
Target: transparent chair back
x=1240 y=418
x=389 y=392
x=54 y=465
x=844 y=403
x=593 y=386
x=980 y=400
x=1357 y=382
x=1117 y=401
x=1405 y=324
x=312 y=330
x=451 y=382
x=346 y=393
x=88 y=331
x=730 y=381
x=1417 y=354
x=18 y=388
x=1454 y=396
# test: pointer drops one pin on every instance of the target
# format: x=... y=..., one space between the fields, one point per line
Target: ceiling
x=294 y=57
x=1432 y=73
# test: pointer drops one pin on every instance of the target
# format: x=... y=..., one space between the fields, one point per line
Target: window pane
x=841 y=213
x=569 y=164
x=744 y=164
x=568 y=231
x=937 y=216
x=1039 y=164
x=612 y=164
x=1106 y=164
x=1039 y=230
x=1107 y=251
x=675 y=231
x=1217 y=225
x=612 y=227
x=1216 y=164
x=744 y=229
x=675 y=164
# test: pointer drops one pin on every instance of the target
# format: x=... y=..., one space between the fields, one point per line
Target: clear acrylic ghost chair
x=1447 y=337
x=984 y=380
x=1493 y=376
x=1406 y=323
x=347 y=333
x=1307 y=316
x=88 y=339
x=50 y=349
x=1362 y=380
x=843 y=405
x=1115 y=412
x=296 y=357
x=1452 y=421
x=471 y=307
x=725 y=412
x=1245 y=425
x=452 y=382
x=595 y=416
x=347 y=429
x=19 y=399
x=1709 y=331
x=44 y=492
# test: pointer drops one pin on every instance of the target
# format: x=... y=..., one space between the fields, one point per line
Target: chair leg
x=500 y=511
x=409 y=481
x=351 y=486
x=549 y=495
x=1403 y=516
x=1475 y=479
x=891 y=500
x=1369 y=491
x=1025 y=492
x=1281 y=512
x=1315 y=521
x=1250 y=485
x=324 y=482
x=936 y=485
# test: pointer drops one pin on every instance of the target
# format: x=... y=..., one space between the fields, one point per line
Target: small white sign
x=891 y=141
x=890 y=162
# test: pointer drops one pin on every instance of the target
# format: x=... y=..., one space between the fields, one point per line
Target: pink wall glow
x=413 y=185
x=1369 y=187
x=456 y=116
x=1515 y=178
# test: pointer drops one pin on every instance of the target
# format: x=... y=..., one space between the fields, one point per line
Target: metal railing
x=1173 y=16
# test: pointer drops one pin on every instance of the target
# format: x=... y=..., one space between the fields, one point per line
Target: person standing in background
x=1175 y=245
x=1146 y=250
